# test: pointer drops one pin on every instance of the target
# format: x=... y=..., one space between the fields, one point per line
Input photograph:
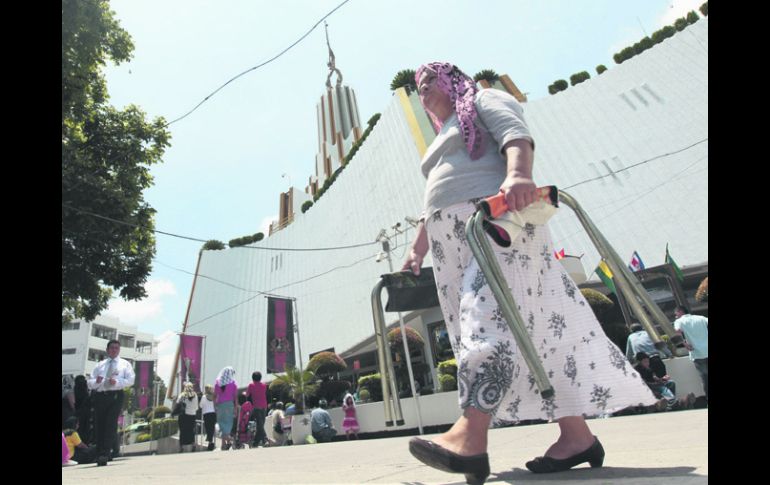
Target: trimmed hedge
x=600 y=68
x=326 y=363
x=306 y=205
x=447 y=383
x=579 y=77
x=371 y=383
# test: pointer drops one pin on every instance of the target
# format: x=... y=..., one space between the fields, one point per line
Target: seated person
x=79 y=451
x=321 y=423
x=662 y=387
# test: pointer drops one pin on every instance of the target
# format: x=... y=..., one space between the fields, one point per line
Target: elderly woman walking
x=225 y=391
x=484 y=147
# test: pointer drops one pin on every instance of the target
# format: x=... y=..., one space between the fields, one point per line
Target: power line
x=636 y=164
x=258 y=66
x=98 y=216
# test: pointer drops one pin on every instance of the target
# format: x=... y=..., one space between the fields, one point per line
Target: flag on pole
x=143 y=369
x=560 y=254
x=280 y=334
x=636 y=263
x=604 y=274
x=190 y=360
x=671 y=261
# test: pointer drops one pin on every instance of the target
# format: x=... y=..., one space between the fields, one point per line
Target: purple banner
x=143 y=383
x=280 y=334
x=190 y=359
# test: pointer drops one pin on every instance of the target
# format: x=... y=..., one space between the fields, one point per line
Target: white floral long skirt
x=590 y=375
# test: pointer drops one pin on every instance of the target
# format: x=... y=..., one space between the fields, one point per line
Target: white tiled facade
x=635 y=113
x=84 y=344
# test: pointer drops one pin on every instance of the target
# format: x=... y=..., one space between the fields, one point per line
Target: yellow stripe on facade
x=419 y=139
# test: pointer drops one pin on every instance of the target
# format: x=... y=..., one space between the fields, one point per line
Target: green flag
x=671 y=261
x=604 y=273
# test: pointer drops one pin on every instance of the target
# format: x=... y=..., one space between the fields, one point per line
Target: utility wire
x=98 y=216
x=257 y=66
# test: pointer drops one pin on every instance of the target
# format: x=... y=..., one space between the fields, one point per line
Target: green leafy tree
x=106 y=155
x=681 y=24
x=404 y=78
x=324 y=364
x=692 y=17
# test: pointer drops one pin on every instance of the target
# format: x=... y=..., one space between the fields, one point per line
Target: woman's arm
x=518 y=186
x=419 y=250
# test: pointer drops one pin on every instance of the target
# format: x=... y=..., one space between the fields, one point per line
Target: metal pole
x=299 y=349
x=386 y=248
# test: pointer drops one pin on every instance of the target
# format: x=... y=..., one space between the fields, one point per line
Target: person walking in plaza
x=350 y=423
x=189 y=398
x=695 y=330
x=257 y=393
x=321 y=423
x=107 y=382
x=484 y=147
x=209 y=415
x=639 y=341
x=83 y=409
x=225 y=391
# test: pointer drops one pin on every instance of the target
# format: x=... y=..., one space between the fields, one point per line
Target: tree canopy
x=107 y=228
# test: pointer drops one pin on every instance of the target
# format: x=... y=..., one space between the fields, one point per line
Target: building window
x=126 y=341
x=70 y=326
x=96 y=355
x=67 y=351
x=144 y=347
x=106 y=333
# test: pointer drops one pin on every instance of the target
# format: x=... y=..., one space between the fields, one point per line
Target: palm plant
x=300 y=383
x=405 y=77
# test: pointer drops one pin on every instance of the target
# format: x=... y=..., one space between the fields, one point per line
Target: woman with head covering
x=209 y=414
x=281 y=427
x=187 y=418
x=350 y=423
x=484 y=147
x=83 y=409
x=225 y=392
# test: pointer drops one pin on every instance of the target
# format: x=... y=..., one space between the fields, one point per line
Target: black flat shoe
x=594 y=455
x=475 y=468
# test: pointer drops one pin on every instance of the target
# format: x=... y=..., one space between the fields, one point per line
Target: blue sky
x=221 y=177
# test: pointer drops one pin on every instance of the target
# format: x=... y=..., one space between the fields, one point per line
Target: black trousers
x=209 y=422
x=107 y=407
x=259 y=415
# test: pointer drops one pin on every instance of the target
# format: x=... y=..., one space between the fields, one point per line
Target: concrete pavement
x=669 y=448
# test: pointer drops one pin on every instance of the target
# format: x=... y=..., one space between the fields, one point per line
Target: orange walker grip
x=495 y=206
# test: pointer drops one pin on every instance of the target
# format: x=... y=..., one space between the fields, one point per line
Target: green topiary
x=579 y=77
x=414 y=338
x=447 y=383
x=692 y=17
x=306 y=205
x=704 y=9
x=326 y=363
x=487 y=75
x=363 y=394
x=143 y=437
x=600 y=68
x=404 y=78
x=213 y=245
x=371 y=383
x=599 y=303
x=448 y=367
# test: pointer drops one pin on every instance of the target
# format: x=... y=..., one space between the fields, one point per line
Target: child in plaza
x=350 y=423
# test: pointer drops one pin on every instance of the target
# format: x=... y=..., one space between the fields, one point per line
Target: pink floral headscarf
x=462 y=91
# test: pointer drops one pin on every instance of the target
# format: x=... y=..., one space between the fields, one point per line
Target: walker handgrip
x=495 y=206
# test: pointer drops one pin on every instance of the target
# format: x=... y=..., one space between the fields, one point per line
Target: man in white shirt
x=107 y=382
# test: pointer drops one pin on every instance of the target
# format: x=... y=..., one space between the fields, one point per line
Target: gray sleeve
x=503 y=117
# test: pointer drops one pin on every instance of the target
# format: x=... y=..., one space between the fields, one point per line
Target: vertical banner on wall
x=280 y=334
x=143 y=383
x=191 y=347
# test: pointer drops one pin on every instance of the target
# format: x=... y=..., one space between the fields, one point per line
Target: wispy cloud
x=151 y=307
